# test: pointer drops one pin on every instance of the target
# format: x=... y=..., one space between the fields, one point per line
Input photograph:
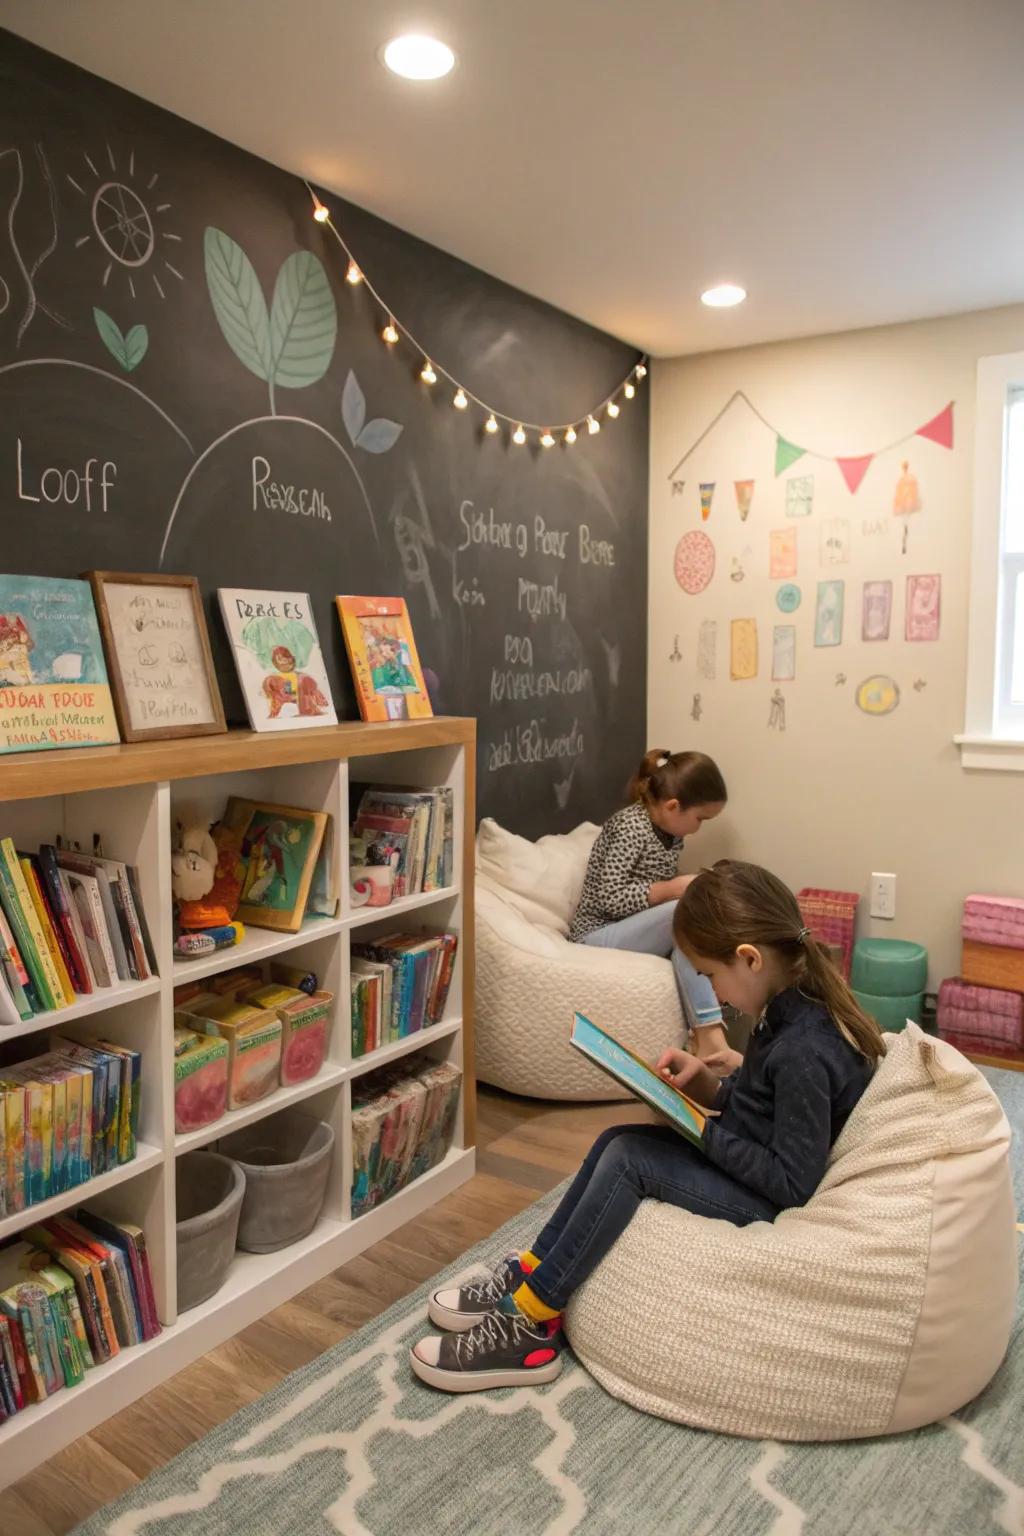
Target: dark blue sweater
x=783 y=1109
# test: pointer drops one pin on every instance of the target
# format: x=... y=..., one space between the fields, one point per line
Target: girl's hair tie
x=803 y=935
x=661 y=762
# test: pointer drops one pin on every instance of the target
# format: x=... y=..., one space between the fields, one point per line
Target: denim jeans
x=650 y=933
x=627 y=1164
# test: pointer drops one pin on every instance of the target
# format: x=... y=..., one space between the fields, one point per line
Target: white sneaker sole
x=484 y=1381
x=451 y=1322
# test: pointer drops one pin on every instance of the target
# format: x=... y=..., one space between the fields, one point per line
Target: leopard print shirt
x=629 y=855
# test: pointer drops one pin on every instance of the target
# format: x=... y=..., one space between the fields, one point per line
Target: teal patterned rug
x=355 y=1445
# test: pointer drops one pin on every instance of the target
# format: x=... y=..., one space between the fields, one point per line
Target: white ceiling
x=850 y=162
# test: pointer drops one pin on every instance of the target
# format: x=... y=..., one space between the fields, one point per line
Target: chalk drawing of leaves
x=238 y=302
x=353 y=406
x=128 y=350
x=379 y=435
x=303 y=322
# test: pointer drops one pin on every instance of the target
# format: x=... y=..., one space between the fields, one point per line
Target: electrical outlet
x=883 y=896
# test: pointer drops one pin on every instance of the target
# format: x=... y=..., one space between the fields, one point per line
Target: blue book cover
x=54 y=690
x=640 y=1078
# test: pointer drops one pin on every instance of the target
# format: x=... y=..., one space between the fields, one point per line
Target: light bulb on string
x=460 y=399
x=629 y=390
x=640 y=370
x=613 y=409
x=570 y=435
x=320 y=213
x=519 y=436
x=389 y=333
x=427 y=373
x=353 y=275
x=593 y=425
x=491 y=424
x=547 y=438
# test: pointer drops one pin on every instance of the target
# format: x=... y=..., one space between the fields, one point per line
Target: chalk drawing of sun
x=126 y=222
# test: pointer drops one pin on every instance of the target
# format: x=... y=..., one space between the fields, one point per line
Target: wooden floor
x=525 y=1148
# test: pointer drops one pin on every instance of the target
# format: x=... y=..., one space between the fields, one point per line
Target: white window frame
x=993 y=735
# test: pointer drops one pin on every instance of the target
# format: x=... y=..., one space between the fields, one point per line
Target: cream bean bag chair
x=883 y=1304
x=530 y=979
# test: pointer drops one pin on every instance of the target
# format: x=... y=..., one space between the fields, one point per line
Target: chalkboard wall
x=139 y=430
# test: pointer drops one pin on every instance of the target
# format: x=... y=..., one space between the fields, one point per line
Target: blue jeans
x=627 y=1164
x=650 y=933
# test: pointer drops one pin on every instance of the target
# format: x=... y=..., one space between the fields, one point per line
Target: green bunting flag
x=786 y=454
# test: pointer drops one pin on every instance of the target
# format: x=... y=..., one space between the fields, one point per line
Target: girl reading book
x=763 y=1149
x=633 y=882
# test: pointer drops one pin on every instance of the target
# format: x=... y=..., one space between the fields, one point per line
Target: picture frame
x=278 y=658
x=382 y=654
x=158 y=655
x=279 y=849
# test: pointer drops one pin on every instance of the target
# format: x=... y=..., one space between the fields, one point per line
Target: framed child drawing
x=382 y=654
x=277 y=653
x=278 y=852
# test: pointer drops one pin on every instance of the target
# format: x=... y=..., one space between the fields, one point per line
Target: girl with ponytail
x=633 y=882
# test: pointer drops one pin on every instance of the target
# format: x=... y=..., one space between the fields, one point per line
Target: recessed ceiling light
x=418 y=58
x=724 y=296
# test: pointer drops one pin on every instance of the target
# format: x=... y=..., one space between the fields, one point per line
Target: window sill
x=1004 y=754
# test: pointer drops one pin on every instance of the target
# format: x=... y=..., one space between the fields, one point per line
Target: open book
x=640 y=1078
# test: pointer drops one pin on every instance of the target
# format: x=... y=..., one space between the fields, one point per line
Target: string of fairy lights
x=431 y=372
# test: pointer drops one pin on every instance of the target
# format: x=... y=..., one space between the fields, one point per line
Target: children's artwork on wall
x=697 y=708
x=781 y=553
x=777 y=711
x=382 y=654
x=744 y=496
x=783 y=653
x=877 y=610
x=737 y=572
x=800 y=496
x=840 y=680
x=277 y=653
x=743 y=649
x=675 y=654
x=707 y=648
x=678 y=487
x=828 y=614
x=694 y=561
x=834 y=548
x=788 y=598
x=920 y=684
x=53 y=683
x=924 y=601
x=878 y=695
x=707 y=491
x=906 y=499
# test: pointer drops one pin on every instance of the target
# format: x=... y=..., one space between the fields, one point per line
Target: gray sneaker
x=506 y=1350
x=460 y=1308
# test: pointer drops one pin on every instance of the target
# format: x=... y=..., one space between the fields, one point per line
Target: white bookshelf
x=130 y=795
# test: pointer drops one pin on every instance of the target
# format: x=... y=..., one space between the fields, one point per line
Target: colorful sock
x=528 y=1261
x=531 y=1305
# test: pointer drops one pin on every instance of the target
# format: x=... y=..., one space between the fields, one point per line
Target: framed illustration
x=54 y=690
x=278 y=849
x=278 y=656
x=382 y=654
x=158 y=654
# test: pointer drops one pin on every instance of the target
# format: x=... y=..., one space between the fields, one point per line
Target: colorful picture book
x=640 y=1078
x=74 y=1292
x=399 y=985
x=410 y=830
x=403 y=1121
x=382 y=654
x=278 y=846
x=66 y=1117
x=70 y=923
x=54 y=690
x=277 y=653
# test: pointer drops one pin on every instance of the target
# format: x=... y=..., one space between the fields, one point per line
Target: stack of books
x=400 y=985
x=403 y=1119
x=413 y=831
x=73 y=1294
x=70 y=923
x=66 y=1117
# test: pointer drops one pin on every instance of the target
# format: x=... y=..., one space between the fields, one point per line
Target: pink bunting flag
x=854 y=470
x=940 y=428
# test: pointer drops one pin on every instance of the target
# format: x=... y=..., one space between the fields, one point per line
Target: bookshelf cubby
x=130 y=796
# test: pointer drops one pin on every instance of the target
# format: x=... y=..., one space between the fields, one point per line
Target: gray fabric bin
x=208 y=1192
x=286 y=1160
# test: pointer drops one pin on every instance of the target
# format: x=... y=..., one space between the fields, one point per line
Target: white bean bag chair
x=530 y=979
x=883 y=1304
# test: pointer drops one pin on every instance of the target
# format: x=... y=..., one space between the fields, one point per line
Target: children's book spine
x=140 y=917
x=35 y=891
x=13 y=965
x=12 y=1105
x=36 y=990
x=61 y=911
x=12 y=865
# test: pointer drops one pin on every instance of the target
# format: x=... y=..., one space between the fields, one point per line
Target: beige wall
x=839 y=793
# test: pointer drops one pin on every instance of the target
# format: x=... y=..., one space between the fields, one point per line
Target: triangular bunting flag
x=854 y=470
x=940 y=428
x=786 y=454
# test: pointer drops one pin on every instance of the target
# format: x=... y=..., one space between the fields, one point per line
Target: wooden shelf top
x=31 y=775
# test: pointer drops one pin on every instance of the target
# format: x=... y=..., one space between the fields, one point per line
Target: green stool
x=891 y=1013
x=889 y=967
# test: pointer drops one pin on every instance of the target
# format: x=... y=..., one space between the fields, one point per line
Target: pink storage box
x=831 y=916
x=994 y=920
x=983 y=1015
